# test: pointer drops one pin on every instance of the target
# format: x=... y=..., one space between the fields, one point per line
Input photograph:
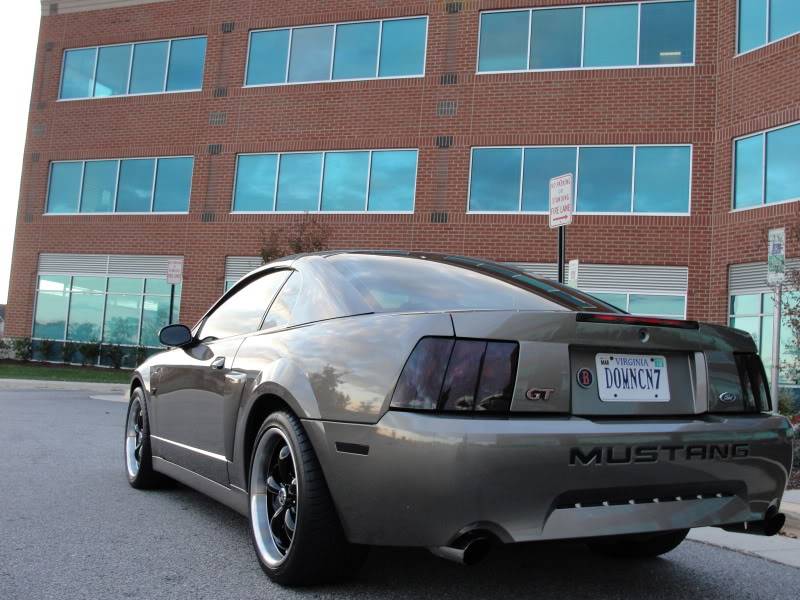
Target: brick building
x=421 y=124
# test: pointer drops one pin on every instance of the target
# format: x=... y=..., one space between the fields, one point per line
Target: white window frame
x=739 y=52
x=130 y=69
x=583 y=38
x=116 y=187
x=333 y=52
x=576 y=174
x=70 y=277
x=763 y=133
x=319 y=210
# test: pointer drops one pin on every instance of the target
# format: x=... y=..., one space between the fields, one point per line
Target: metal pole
x=776 y=346
x=171 y=302
x=562 y=243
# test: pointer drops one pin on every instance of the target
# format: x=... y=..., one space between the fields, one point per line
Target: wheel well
x=135 y=384
x=262 y=408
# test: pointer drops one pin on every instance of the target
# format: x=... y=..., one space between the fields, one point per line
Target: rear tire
x=295 y=529
x=138 y=455
x=645 y=545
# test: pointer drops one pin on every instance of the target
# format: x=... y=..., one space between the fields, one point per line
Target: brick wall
x=707 y=105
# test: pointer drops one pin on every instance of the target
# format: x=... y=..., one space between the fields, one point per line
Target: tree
x=309 y=235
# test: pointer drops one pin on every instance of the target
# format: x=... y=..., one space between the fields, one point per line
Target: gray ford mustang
x=348 y=399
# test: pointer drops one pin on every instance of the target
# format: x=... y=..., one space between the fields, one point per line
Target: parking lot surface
x=71 y=527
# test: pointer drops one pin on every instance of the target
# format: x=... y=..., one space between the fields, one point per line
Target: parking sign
x=561 y=200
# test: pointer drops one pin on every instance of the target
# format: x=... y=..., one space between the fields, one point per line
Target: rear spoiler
x=616 y=319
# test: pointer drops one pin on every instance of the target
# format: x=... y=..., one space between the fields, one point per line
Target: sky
x=19 y=43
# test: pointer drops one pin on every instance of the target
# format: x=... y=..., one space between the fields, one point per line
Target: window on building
x=341 y=51
x=610 y=179
x=141 y=68
x=137 y=185
x=357 y=181
x=762 y=22
x=591 y=36
x=650 y=305
x=754 y=313
x=129 y=311
x=766 y=166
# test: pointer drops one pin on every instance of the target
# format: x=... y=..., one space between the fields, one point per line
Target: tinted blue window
x=784 y=18
x=610 y=36
x=752 y=24
x=749 y=172
x=667 y=33
x=783 y=164
x=269 y=51
x=135 y=185
x=556 y=38
x=660 y=306
x=173 y=185
x=149 y=67
x=403 y=48
x=65 y=187
x=298 y=182
x=344 y=184
x=113 y=63
x=662 y=179
x=186 y=61
x=504 y=41
x=356 y=53
x=255 y=182
x=495 y=179
x=393 y=180
x=541 y=165
x=99 y=186
x=311 y=54
x=604 y=180
x=77 y=79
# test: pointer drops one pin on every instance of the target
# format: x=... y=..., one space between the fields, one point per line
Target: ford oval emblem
x=728 y=397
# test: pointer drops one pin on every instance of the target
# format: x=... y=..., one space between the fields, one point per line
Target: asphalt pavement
x=72 y=528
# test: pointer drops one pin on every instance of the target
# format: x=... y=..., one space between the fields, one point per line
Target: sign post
x=776 y=275
x=561 y=214
x=174 y=277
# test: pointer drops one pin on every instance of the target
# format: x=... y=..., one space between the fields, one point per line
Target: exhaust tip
x=476 y=550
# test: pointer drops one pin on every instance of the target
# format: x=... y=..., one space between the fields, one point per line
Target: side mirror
x=176 y=336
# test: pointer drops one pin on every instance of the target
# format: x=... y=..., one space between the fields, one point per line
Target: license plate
x=632 y=378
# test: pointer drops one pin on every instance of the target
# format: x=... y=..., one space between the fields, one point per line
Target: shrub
x=115 y=355
x=786 y=404
x=23 y=348
x=90 y=352
x=46 y=348
x=141 y=355
x=68 y=350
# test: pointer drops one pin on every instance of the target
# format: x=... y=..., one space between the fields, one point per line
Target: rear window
x=410 y=284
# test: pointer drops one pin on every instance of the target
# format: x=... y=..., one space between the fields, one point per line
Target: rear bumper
x=427 y=479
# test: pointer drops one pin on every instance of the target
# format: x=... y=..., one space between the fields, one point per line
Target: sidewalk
x=117 y=392
x=784 y=549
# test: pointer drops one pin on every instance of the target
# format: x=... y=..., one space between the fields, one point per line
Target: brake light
x=754 y=383
x=611 y=318
x=447 y=374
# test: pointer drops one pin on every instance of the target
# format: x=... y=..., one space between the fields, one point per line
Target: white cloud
x=18 y=47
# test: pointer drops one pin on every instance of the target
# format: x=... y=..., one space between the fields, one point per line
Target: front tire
x=645 y=545
x=138 y=455
x=295 y=530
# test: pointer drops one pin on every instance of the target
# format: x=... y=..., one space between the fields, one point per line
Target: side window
x=242 y=312
x=281 y=312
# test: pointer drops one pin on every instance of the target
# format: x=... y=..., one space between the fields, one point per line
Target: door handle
x=218 y=363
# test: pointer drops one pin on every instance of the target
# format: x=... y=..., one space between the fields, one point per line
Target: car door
x=196 y=390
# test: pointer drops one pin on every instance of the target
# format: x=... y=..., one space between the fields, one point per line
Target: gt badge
x=585 y=378
x=539 y=395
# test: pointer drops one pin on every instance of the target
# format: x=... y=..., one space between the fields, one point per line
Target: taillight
x=754 y=383
x=449 y=374
x=617 y=319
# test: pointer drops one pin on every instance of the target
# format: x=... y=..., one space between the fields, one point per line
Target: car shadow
x=544 y=568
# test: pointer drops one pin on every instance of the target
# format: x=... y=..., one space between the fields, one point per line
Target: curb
x=11 y=385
